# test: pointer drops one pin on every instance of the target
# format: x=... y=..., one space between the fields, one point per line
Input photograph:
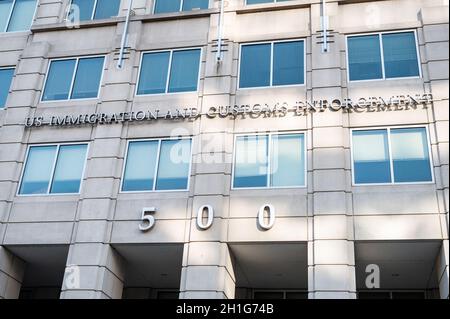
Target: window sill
x=83 y=25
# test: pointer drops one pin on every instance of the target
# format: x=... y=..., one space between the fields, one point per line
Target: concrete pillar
x=207 y=271
x=442 y=270
x=93 y=271
x=331 y=261
x=12 y=270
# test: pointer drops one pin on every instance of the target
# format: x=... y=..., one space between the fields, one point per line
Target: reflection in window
x=16 y=15
x=6 y=76
x=382 y=56
x=157 y=165
x=169 y=72
x=409 y=162
x=53 y=169
x=73 y=79
x=270 y=161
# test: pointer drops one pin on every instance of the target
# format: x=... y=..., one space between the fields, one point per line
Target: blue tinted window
x=288 y=63
x=400 y=55
x=255 y=65
x=82 y=10
x=287 y=161
x=140 y=166
x=410 y=155
x=371 y=159
x=62 y=167
x=153 y=77
x=165 y=6
x=69 y=169
x=6 y=76
x=184 y=71
x=364 y=58
x=174 y=162
x=107 y=9
x=59 y=80
x=251 y=161
x=22 y=15
x=38 y=170
x=87 y=78
x=189 y=5
x=259 y=1
x=5 y=11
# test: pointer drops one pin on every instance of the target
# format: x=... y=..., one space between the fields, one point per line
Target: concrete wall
x=329 y=214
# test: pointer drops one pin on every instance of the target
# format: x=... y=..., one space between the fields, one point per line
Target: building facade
x=224 y=149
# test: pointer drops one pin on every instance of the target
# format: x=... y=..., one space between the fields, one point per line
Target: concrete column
x=207 y=271
x=442 y=270
x=207 y=267
x=12 y=270
x=331 y=261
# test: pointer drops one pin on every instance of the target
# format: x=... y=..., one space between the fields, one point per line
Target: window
x=270 y=161
x=73 y=79
x=169 y=72
x=6 y=76
x=397 y=155
x=166 y=6
x=82 y=10
x=383 y=56
x=157 y=165
x=53 y=169
x=264 y=1
x=272 y=64
x=16 y=15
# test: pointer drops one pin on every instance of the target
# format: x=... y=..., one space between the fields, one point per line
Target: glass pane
x=87 y=78
x=296 y=295
x=5 y=10
x=140 y=167
x=400 y=55
x=250 y=168
x=81 y=10
x=371 y=157
x=22 y=15
x=6 y=76
x=107 y=9
x=255 y=66
x=189 y=5
x=164 y=6
x=288 y=63
x=59 y=80
x=153 y=77
x=38 y=170
x=410 y=155
x=69 y=169
x=408 y=295
x=364 y=58
x=174 y=162
x=259 y=1
x=288 y=160
x=184 y=71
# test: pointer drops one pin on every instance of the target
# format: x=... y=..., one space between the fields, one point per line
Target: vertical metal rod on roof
x=324 y=26
x=219 y=54
x=124 y=36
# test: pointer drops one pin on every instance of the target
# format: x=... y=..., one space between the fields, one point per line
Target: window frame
x=383 y=71
x=169 y=69
x=55 y=162
x=180 y=10
x=77 y=60
x=94 y=11
x=8 y=21
x=157 y=164
x=269 y=160
x=272 y=43
x=391 y=161
x=14 y=73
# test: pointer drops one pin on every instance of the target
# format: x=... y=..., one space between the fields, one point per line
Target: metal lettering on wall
x=279 y=109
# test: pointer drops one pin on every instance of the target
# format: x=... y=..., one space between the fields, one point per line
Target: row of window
x=17 y=15
x=379 y=156
x=271 y=64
